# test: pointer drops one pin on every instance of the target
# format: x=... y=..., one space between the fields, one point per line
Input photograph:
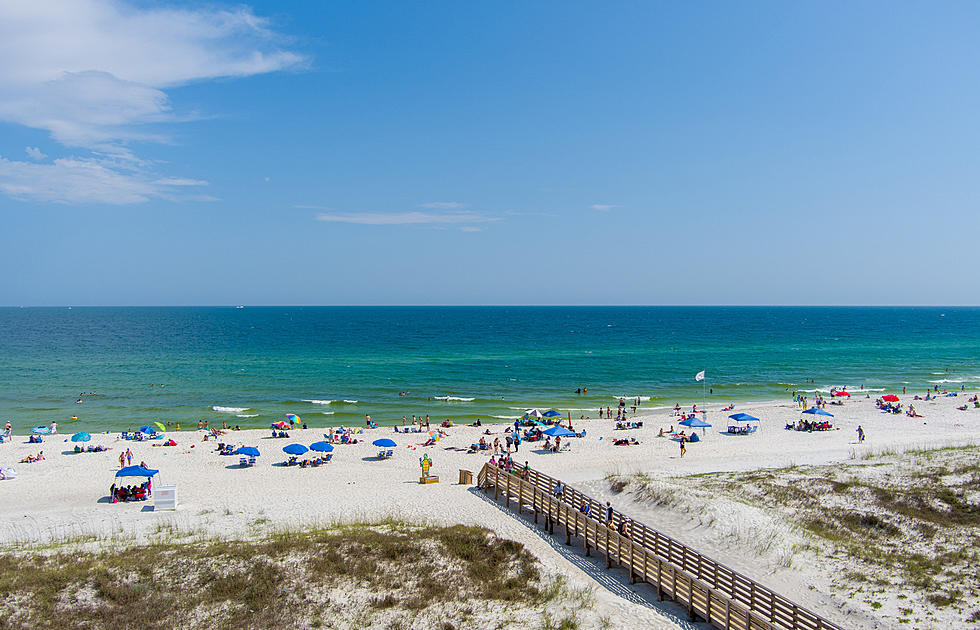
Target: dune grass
x=365 y=575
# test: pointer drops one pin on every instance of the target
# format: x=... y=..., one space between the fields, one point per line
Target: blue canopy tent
x=559 y=431
x=294 y=449
x=81 y=437
x=248 y=451
x=136 y=471
x=384 y=443
x=321 y=447
x=740 y=430
x=816 y=411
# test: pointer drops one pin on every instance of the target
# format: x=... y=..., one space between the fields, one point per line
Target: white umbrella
x=533 y=413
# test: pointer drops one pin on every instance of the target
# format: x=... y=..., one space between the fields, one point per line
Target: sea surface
x=334 y=365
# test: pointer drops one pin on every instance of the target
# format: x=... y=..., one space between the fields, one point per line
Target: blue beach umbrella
x=147 y=429
x=743 y=417
x=250 y=451
x=694 y=423
x=41 y=430
x=81 y=437
x=136 y=471
x=818 y=412
x=551 y=413
x=558 y=431
x=384 y=443
x=321 y=447
x=294 y=449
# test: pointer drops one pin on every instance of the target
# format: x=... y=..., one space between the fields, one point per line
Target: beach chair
x=381 y=454
x=328 y=457
x=125 y=435
x=390 y=453
x=243 y=461
x=251 y=461
x=292 y=461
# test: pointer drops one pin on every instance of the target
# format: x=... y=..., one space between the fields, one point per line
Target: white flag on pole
x=699 y=376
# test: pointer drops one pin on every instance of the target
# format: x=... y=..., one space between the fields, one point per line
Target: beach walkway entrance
x=707 y=589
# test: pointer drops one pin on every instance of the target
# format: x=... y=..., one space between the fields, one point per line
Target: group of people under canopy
x=133 y=492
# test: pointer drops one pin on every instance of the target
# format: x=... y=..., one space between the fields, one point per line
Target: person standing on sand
x=122 y=459
x=129 y=457
x=683 y=448
x=860 y=433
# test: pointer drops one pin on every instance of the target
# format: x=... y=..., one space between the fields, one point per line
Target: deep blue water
x=269 y=361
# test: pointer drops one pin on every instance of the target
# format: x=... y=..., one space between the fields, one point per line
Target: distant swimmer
x=78 y=402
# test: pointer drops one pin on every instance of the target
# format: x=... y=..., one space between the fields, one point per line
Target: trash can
x=465 y=477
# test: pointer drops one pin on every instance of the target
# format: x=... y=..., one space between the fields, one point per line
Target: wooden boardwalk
x=707 y=589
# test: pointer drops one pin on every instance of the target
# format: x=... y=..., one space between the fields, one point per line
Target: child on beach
x=683 y=448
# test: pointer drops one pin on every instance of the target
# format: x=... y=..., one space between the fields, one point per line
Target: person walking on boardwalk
x=609 y=514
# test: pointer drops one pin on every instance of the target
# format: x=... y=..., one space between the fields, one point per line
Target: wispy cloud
x=35 y=153
x=406 y=218
x=73 y=180
x=93 y=74
x=602 y=207
x=443 y=205
x=470 y=228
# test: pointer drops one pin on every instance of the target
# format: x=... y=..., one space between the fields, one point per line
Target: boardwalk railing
x=707 y=589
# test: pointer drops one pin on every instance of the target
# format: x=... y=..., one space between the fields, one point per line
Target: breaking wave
x=229 y=409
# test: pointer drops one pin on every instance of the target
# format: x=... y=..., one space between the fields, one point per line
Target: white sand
x=63 y=497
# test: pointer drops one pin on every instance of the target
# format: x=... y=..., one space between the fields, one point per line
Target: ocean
x=334 y=365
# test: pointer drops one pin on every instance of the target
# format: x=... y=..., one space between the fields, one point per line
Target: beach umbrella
x=384 y=443
x=558 y=431
x=147 y=429
x=694 y=422
x=321 y=447
x=890 y=398
x=534 y=413
x=743 y=417
x=815 y=411
x=160 y=426
x=551 y=413
x=293 y=418
x=136 y=471
x=41 y=430
x=294 y=449
x=281 y=425
x=840 y=392
x=249 y=451
x=81 y=437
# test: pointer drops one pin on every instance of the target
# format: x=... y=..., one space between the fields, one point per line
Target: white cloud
x=93 y=74
x=74 y=180
x=405 y=218
x=35 y=153
x=470 y=228
x=602 y=207
x=443 y=205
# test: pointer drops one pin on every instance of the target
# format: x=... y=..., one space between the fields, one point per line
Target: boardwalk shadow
x=615 y=581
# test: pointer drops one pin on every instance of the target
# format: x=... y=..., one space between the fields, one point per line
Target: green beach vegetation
x=385 y=575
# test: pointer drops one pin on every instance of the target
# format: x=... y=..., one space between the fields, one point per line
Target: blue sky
x=488 y=153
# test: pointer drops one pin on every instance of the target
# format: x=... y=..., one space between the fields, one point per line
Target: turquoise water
x=250 y=366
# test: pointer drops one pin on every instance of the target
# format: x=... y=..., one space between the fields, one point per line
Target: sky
x=182 y=153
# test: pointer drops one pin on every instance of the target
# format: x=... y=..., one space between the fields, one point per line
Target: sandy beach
x=64 y=497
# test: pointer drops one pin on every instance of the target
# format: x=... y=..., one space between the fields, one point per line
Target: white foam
x=328 y=413
x=247 y=415
x=504 y=417
x=351 y=402
x=454 y=398
x=634 y=397
x=949 y=380
x=318 y=402
x=229 y=409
